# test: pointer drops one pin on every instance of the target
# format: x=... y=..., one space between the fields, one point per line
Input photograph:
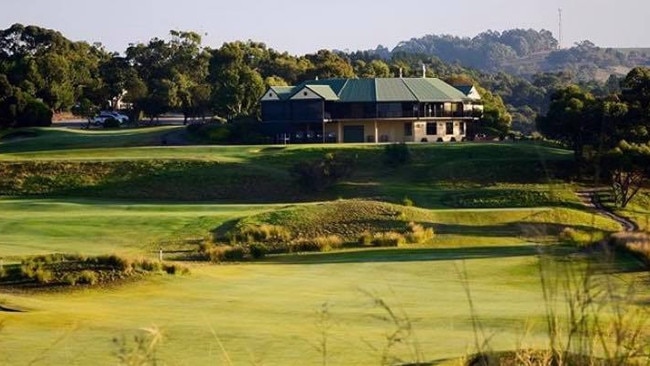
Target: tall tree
x=571 y=119
x=236 y=84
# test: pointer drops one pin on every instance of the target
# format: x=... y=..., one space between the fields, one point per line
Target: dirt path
x=589 y=197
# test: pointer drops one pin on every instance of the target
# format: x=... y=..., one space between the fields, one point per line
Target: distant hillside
x=526 y=52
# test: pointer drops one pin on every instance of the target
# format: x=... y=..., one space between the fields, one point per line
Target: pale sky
x=306 y=26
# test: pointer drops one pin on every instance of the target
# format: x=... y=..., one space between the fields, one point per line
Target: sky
x=306 y=26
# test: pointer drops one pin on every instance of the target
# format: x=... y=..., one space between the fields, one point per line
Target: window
x=432 y=128
x=449 y=128
x=462 y=128
x=408 y=129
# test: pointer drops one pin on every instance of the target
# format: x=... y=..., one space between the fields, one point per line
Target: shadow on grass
x=523 y=229
x=406 y=255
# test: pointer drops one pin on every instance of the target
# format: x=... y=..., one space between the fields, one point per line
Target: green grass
x=52 y=139
x=267 y=312
x=489 y=204
x=63 y=163
x=350 y=219
x=91 y=227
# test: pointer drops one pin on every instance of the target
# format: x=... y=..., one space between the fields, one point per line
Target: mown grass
x=53 y=139
x=82 y=164
x=267 y=312
x=29 y=227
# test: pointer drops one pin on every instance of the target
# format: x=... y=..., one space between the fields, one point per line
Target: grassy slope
x=60 y=163
x=254 y=309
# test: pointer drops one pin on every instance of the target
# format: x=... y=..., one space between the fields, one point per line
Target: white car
x=104 y=115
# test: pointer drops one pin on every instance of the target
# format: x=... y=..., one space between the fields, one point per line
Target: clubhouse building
x=370 y=110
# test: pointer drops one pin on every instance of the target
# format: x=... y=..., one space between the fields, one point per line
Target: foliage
x=629 y=168
x=322 y=173
x=72 y=270
x=580 y=238
x=571 y=119
x=225 y=253
x=317 y=244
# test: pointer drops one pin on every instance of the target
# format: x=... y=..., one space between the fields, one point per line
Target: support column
x=376 y=133
x=339 y=132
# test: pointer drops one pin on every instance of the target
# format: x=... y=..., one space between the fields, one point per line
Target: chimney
x=424 y=71
x=401 y=73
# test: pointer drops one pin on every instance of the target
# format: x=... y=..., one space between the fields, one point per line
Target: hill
x=526 y=52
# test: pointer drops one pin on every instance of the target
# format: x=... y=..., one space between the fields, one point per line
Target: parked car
x=99 y=119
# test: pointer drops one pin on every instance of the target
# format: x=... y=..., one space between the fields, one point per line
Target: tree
x=236 y=86
x=327 y=64
x=495 y=114
x=636 y=94
x=571 y=119
x=628 y=166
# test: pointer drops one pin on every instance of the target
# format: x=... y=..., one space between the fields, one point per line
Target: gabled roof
x=466 y=89
x=283 y=92
x=325 y=91
x=378 y=90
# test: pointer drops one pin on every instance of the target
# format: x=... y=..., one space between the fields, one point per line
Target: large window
x=274 y=111
x=432 y=128
x=307 y=110
x=389 y=110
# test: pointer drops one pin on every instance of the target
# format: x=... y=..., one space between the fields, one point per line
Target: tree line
x=610 y=134
x=42 y=72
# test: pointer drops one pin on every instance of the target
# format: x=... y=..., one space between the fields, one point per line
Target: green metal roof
x=433 y=90
x=324 y=91
x=378 y=90
x=394 y=90
x=283 y=92
x=358 y=90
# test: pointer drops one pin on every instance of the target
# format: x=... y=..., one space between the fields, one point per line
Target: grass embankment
x=349 y=220
x=61 y=163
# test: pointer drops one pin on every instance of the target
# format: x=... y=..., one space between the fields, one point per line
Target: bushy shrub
x=322 y=173
x=383 y=239
x=579 y=237
x=317 y=244
x=418 y=234
x=407 y=202
x=226 y=253
x=114 y=261
x=70 y=279
x=147 y=265
x=366 y=239
x=304 y=245
x=35 y=114
x=397 y=154
x=388 y=239
x=264 y=233
x=3 y=272
x=88 y=277
x=257 y=251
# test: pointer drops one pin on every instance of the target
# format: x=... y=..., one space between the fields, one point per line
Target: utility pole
x=559 y=46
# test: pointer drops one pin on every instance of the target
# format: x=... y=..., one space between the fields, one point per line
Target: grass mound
x=56 y=270
x=347 y=219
